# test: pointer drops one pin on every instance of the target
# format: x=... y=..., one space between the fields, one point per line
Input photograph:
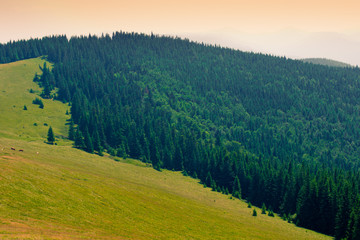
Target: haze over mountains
x=290 y=42
x=296 y=29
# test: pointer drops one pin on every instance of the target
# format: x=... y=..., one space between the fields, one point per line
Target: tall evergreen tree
x=236 y=190
x=50 y=136
x=89 y=147
x=79 y=139
x=263 y=209
x=71 y=130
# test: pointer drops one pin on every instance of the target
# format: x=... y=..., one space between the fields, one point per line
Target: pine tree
x=208 y=180
x=263 y=209
x=71 y=130
x=254 y=213
x=236 y=191
x=100 y=152
x=271 y=213
x=79 y=139
x=50 y=136
x=213 y=185
x=120 y=152
x=36 y=78
x=96 y=141
x=46 y=92
x=25 y=108
x=89 y=147
x=343 y=211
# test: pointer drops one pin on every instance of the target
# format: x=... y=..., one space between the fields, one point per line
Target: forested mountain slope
x=60 y=192
x=270 y=130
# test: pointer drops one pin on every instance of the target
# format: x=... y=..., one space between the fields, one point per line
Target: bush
x=38 y=101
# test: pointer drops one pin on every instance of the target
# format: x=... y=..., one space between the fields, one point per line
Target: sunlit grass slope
x=58 y=192
x=17 y=123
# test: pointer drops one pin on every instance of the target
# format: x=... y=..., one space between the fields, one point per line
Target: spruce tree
x=89 y=147
x=71 y=130
x=79 y=139
x=50 y=136
x=213 y=185
x=208 y=180
x=96 y=141
x=271 y=213
x=236 y=191
x=254 y=213
x=263 y=209
x=120 y=152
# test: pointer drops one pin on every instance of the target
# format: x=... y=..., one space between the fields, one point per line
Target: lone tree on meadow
x=50 y=138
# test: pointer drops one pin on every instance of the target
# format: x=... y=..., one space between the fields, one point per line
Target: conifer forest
x=276 y=132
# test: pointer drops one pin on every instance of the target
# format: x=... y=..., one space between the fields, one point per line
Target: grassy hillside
x=17 y=123
x=59 y=192
x=326 y=62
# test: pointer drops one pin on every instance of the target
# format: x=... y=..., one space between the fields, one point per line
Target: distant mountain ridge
x=326 y=62
x=292 y=43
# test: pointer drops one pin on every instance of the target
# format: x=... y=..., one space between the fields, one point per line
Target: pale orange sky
x=248 y=18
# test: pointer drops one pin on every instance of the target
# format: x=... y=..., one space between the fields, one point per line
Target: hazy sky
x=293 y=28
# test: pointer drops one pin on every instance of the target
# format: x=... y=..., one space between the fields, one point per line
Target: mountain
x=270 y=130
x=326 y=62
x=289 y=42
x=59 y=192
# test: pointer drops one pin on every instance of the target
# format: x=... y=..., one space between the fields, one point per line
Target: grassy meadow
x=58 y=192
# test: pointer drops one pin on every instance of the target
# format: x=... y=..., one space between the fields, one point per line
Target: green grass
x=58 y=192
x=17 y=123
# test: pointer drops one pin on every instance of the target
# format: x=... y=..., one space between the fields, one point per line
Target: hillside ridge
x=326 y=62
